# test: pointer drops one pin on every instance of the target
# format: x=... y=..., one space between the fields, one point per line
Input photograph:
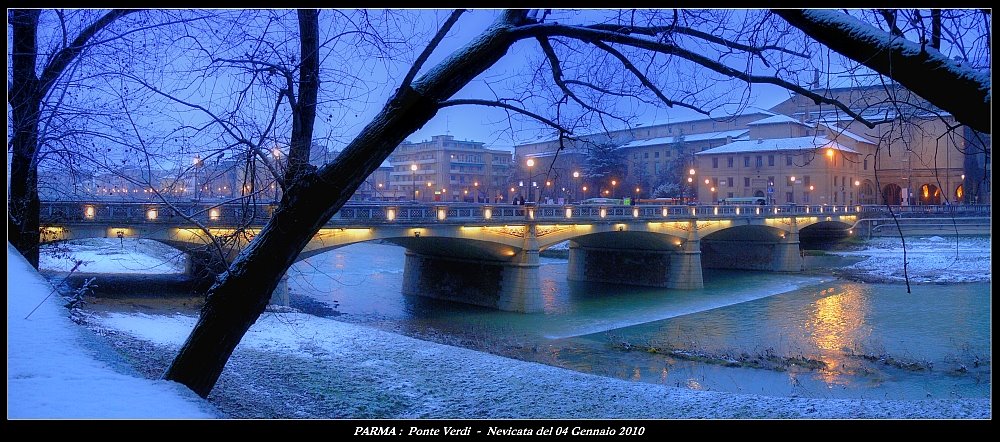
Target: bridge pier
x=280 y=294
x=679 y=269
x=780 y=254
x=510 y=286
x=787 y=252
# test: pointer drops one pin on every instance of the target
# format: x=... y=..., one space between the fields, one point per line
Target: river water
x=808 y=335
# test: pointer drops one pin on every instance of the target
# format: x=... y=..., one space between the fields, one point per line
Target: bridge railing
x=234 y=214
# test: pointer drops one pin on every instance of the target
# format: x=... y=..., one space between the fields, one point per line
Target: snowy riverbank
x=58 y=370
x=368 y=373
x=932 y=259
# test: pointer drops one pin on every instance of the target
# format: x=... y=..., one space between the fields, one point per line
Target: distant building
x=446 y=169
x=919 y=162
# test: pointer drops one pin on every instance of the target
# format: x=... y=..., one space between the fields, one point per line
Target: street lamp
x=197 y=166
x=613 y=184
x=530 y=163
x=413 y=180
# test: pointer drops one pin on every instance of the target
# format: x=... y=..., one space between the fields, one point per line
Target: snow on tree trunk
x=955 y=88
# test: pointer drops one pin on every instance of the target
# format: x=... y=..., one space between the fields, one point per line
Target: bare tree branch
x=429 y=49
x=917 y=68
x=460 y=102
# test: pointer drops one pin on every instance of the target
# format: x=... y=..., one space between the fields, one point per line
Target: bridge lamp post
x=475 y=185
x=792 y=179
x=584 y=192
x=690 y=184
x=530 y=163
x=429 y=191
x=413 y=180
x=613 y=184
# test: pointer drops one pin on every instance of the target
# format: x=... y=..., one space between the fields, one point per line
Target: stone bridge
x=488 y=254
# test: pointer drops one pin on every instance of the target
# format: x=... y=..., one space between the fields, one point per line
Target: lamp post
x=576 y=174
x=197 y=166
x=690 y=184
x=530 y=163
x=413 y=180
x=613 y=184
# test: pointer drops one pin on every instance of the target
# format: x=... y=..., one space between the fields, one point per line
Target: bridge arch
x=769 y=247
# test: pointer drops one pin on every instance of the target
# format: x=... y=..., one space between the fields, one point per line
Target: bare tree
x=30 y=89
x=589 y=68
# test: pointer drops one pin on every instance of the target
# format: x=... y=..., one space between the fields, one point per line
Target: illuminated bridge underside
x=495 y=263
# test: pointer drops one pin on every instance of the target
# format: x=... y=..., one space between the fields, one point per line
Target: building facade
x=448 y=170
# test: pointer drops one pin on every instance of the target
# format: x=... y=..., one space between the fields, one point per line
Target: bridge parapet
x=236 y=214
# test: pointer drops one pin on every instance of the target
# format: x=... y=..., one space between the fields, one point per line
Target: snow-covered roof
x=687 y=138
x=777 y=144
x=836 y=132
x=776 y=119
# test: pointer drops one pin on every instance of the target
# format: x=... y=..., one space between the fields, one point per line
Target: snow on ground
x=102 y=255
x=932 y=259
x=366 y=368
x=402 y=377
x=58 y=370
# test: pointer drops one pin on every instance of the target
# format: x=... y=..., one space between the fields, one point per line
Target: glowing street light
x=413 y=180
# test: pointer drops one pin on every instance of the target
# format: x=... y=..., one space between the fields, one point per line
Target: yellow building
x=445 y=169
x=786 y=161
x=924 y=156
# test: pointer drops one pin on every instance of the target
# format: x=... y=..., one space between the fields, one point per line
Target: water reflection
x=835 y=324
x=737 y=312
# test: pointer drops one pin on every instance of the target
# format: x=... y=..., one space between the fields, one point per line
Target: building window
x=746 y=181
x=788 y=181
x=788 y=197
x=835 y=180
x=715 y=182
x=866 y=163
x=729 y=162
x=760 y=161
x=729 y=194
x=805 y=180
x=805 y=196
x=715 y=163
x=645 y=155
x=746 y=161
x=770 y=160
x=770 y=181
x=788 y=160
x=656 y=154
x=729 y=181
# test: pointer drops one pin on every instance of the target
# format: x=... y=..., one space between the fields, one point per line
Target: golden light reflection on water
x=835 y=323
x=549 y=289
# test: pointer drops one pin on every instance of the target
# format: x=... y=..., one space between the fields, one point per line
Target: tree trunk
x=240 y=295
x=24 y=100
